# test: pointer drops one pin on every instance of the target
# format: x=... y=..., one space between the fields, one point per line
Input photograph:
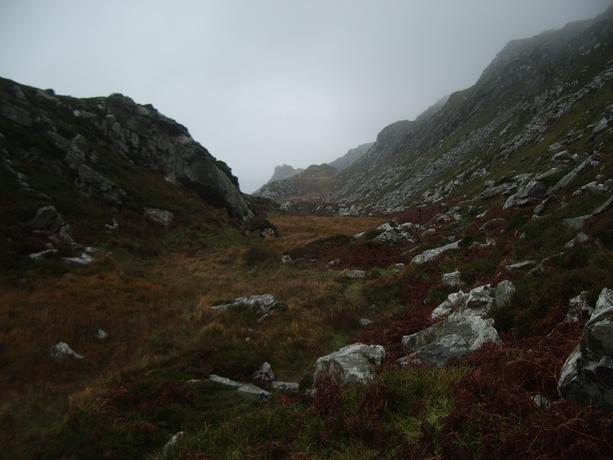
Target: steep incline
x=533 y=89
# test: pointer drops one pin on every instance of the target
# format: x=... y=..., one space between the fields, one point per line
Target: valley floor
x=132 y=392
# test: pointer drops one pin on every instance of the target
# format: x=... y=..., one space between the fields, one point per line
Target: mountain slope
x=74 y=168
x=533 y=87
x=284 y=172
x=351 y=156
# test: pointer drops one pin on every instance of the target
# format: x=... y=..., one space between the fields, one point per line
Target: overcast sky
x=265 y=82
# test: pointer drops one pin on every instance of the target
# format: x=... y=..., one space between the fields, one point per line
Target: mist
x=261 y=83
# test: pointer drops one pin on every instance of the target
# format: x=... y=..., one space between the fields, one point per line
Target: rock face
x=89 y=140
x=587 y=374
x=432 y=254
x=351 y=157
x=283 y=172
x=508 y=110
x=453 y=337
x=351 y=364
x=261 y=304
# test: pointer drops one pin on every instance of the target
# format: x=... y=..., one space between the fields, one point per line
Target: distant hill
x=351 y=157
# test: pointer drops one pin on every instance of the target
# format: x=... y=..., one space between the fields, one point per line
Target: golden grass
x=160 y=307
x=299 y=230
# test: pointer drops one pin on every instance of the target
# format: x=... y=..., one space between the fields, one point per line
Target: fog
x=263 y=82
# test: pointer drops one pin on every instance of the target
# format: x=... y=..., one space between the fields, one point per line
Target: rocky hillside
x=74 y=169
x=284 y=172
x=539 y=97
x=312 y=184
x=351 y=156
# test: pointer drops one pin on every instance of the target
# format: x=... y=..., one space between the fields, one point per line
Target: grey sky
x=264 y=82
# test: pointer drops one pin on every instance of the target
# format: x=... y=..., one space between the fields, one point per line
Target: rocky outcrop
x=432 y=254
x=283 y=172
x=354 y=363
x=587 y=375
x=91 y=140
x=351 y=157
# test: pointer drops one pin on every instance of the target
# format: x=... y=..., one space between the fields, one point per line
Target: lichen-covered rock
x=452 y=280
x=504 y=293
x=432 y=254
x=264 y=373
x=454 y=337
x=587 y=374
x=261 y=304
x=62 y=350
x=454 y=302
x=354 y=363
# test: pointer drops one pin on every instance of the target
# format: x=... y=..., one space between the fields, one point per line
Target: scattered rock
x=264 y=373
x=83 y=259
x=365 y=322
x=268 y=233
x=159 y=216
x=260 y=304
x=224 y=381
x=432 y=254
x=101 y=334
x=454 y=302
x=587 y=375
x=172 y=441
x=47 y=253
x=452 y=280
x=504 y=293
x=578 y=308
x=520 y=265
x=394 y=236
x=62 y=350
x=531 y=192
x=254 y=392
x=286 y=387
x=354 y=363
x=454 y=337
x=572 y=176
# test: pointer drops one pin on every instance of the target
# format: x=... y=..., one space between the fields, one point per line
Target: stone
x=572 y=175
x=454 y=302
x=174 y=439
x=62 y=350
x=101 y=334
x=432 y=254
x=16 y=114
x=604 y=302
x=286 y=259
x=83 y=259
x=224 y=381
x=454 y=337
x=504 y=293
x=452 y=280
x=531 y=192
x=394 y=236
x=268 y=233
x=398 y=267
x=365 y=322
x=42 y=255
x=286 y=387
x=578 y=307
x=587 y=375
x=356 y=274
x=520 y=265
x=334 y=263
x=253 y=391
x=479 y=300
x=47 y=218
x=261 y=304
x=264 y=373
x=541 y=401
x=562 y=157
x=159 y=216
x=581 y=238
x=354 y=363
x=601 y=126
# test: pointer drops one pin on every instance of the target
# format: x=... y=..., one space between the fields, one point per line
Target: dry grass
x=299 y=230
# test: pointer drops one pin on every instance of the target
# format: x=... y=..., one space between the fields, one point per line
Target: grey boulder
x=260 y=304
x=354 y=363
